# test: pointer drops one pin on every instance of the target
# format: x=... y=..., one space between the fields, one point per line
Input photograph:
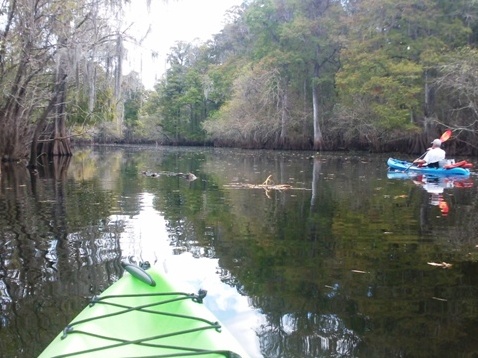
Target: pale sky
x=178 y=20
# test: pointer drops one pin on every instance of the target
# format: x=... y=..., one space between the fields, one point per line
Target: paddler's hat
x=437 y=142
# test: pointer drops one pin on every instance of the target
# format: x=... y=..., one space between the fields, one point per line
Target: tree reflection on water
x=337 y=268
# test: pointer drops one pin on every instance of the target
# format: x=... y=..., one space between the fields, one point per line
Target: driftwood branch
x=267 y=185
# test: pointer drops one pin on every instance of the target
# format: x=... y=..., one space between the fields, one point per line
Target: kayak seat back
x=442 y=163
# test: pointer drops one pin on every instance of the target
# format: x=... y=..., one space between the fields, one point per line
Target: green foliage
x=104 y=109
x=390 y=51
x=132 y=106
x=194 y=88
x=370 y=64
x=327 y=66
x=59 y=61
x=271 y=103
x=391 y=88
x=220 y=78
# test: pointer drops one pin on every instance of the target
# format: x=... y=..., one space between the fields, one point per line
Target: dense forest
x=282 y=74
x=322 y=74
x=60 y=66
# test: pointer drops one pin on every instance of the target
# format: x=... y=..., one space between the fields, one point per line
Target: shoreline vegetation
x=377 y=76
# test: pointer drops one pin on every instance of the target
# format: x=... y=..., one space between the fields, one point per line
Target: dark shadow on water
x=47 y=268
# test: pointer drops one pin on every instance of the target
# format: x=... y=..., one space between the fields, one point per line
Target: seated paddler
x=433 y=156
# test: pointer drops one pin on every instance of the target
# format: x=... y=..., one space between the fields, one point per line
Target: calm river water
x=346 y=262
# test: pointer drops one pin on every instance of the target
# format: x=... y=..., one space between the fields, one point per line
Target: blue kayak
x=404 y=166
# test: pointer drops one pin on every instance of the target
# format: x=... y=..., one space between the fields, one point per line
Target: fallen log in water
x=267 y=185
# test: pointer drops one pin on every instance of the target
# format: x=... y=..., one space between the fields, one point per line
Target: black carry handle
x=139 y=273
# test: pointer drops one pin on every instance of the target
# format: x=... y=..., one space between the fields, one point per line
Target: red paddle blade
x=445 y=136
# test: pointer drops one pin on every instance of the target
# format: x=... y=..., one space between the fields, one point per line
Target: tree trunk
x=13 y=121
x=40 y=126
x=118 y=93
x=59 y=143
x=284 y=118
x=317 y=131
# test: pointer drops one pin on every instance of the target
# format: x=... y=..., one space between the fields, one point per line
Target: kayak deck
x=135 y=319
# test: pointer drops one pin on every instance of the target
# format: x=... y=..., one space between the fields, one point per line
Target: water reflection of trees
x=313 y=335
x=267 y=250
x=292 y=253
x=53 y=253
x=285 y=254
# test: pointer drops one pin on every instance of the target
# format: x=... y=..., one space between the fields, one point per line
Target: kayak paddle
x=444 y=137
